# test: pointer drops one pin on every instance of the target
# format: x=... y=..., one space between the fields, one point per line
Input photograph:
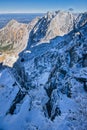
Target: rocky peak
x=53 y=24
x=13 y=39
x=13 y=21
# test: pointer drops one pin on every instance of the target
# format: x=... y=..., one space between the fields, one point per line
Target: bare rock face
x=51 y=25
x=61 y=24
x=13 y=36
x=13 y=39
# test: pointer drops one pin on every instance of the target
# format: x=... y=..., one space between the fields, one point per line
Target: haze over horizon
x=26 y=6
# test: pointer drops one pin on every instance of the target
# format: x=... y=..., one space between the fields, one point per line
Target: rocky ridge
x=13 y=40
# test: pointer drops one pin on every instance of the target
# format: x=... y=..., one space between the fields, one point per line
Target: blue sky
x=39 y=6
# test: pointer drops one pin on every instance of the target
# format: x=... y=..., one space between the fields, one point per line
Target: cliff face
x=51 y=25
x=55 y=24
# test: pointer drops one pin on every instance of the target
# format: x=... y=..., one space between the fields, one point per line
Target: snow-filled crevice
x=52 y=111
x=19 y=97
x=51 y=88
x=20 y=77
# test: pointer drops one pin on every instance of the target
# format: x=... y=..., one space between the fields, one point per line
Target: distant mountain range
x=43 y=73
x=20 y=17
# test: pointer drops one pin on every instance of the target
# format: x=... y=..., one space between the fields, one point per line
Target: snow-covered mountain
x=46 y=89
